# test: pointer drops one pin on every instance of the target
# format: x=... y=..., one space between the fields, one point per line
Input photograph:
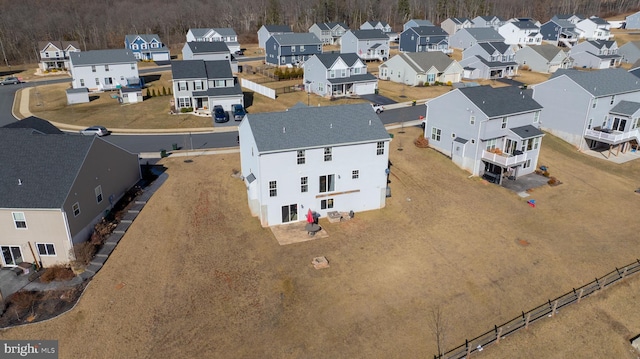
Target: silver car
x=95 y=130
x=10 y=81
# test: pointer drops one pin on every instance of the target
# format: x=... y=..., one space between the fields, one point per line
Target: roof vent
x=331 y=125
x=369 y=122
x=284 y=130
x=19 y=182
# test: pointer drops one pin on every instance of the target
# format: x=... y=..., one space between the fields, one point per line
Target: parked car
x=240 y=52
x=95 y=130
x=238 y=112
x=10 y=81
x=377 y=107
x=219 y=114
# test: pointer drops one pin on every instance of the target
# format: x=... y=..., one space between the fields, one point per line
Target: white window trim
x=98 y=193
x=55 y=253
x=16 y=220
x=77 y=204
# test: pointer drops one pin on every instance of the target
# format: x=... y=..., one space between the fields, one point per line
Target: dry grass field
x=196 y=275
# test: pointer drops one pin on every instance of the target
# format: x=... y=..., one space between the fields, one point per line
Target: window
x=590 y=123
x=326 y=203
x=98 y=191
x=134 y=46
x=121 y=78
x=273 y=188
x=293 y=48
x=473 y=141
x=536 y=143
x=453 y=135
x=219 y=83
x=504 y=122
x=613 y=98
x=106 y=67
x=108 y=81
x=491 y=144
x=472 y=120
x=133 y=66
x=19 y=220
x=356 y=71
x=301 y=158
x=320 y=87
x=97 y=81
x=327 y=154
x=46 y=249
x=595 y=103
x=536 y=117
x=304 y=184
x=355 y=174
x=76 y=209
x=182 y=86
x=197 y=85
x=93 y=68
x=81 y=82
x=527 y=164
x=184 y=102
x=380 y=148
x=435 y=133
x=332 y=74
x=327 y=183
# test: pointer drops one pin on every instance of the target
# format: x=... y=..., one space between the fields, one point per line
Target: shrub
x=449 y=83
x=56 y=273
x=23 y=299
x=186 y=109
x=164 y=91
x=545 y=173
x=84 y=252
x=153 y=92
x=553 y=181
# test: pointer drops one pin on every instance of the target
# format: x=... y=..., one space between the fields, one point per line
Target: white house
x=267 y=31
x=100 y=70
x=338 y=75
x=323 y=159
x=488 y=21
x=378 y=25
x=419 y=68
x=368 y=44
x=225 y=34
x=490 y=132
x=523 y=33
x=594 y=28
x=329 y=32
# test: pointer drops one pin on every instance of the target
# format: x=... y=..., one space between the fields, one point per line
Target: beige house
x=54 y=189
x=419 y=68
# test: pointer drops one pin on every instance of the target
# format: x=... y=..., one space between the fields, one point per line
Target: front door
x=289 y=213
x=11 y=256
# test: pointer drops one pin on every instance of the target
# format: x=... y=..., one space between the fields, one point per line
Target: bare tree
x=439 y=328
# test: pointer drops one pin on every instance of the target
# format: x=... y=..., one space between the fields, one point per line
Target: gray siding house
x=225 y=34
x=489 y=60
x=630 y=52
x=200 y=85
x=53 y=191
x=368 y=44
x=291 y=49
x=591 y=109
x=338 y=75
x=543 y=58
x=596 y=54
x=329 y=32
x=416 y=23
x=101 y=70
x=209 y=51
x=468 y=37
x=490 y=132
x=55 y=54
x=266 y=31
x=632 y=22
x=488 y=21
x=559 y=32
x=419 y=68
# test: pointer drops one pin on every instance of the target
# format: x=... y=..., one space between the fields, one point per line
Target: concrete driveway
x=375 y=98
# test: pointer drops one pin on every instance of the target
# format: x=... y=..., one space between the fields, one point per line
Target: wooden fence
x=548 y=309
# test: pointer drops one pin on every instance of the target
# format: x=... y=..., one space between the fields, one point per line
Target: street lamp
x=308 y=85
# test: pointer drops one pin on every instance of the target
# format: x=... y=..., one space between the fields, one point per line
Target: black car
x=219 y=114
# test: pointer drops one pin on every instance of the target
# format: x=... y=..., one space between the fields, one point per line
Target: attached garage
x=160 y=56
x=226 y=101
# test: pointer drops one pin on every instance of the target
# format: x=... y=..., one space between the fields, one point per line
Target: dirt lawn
x=196 y=275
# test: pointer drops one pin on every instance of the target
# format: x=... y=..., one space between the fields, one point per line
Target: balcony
x=611 y=137
x=503 y=159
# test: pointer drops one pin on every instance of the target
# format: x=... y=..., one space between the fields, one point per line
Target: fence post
x=599 y=285
x=555 y=306
x=526 y=323
x=468 y=348
x=624 y=272
x=498 y=335
x=580 y=294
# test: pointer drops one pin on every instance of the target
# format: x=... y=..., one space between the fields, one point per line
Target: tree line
x=103 y=24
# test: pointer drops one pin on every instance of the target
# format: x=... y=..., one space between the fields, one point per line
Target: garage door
x=368 y=88
x=160 y=56
x=226 y=102
x=133 y=97
x=553 y=68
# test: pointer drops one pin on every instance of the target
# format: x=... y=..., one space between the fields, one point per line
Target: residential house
x=338 y=75
x=329 y=32
x=424 y=39
x=455 y=24
x=54 y=189
x=572 y=18
x=368 y=44
x=522 y=33
x=466 y=38
x=632 y=22
x=37 y=124
x=319 y=159
x=100 y=70
x=379 y=25
x=147 y=47
x=594 y=28
x=630 y=52
x=635 y=68
x=559 y=32
x=488 y=21
x=416 y=23
x=209 y=51
x=490 y=132
x=543 y=58
x=225 y=34
x=291 y=49
x=596 y=54
x=54 y=55
x=591 y=109
x=489 y=60
x=200 y=85
x=419 y=68
x=266 y=31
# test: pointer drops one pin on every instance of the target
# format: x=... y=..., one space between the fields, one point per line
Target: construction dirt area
x=197 y=276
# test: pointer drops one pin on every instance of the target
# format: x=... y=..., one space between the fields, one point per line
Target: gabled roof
x=525 y=25
x=224 y=31
x=313 y=127
x=37 y=124
x=62 y=45
x=207 y=47
x=599 y=44
x=99 y=57
x=547 y=51
x=493 y=46
x=220 y=91
x=564 y=24
x=635 y=44
x=526 y=131
x=374 y=34
x=501 y=101
x=322 y=26
x=491 y=18
x=567 y=16
x=598 y=21
x=332 y=25
x=278 y=28
x=460 y=20
x=627 y=108
x=423 y=61
x=200 y=69
x=420 y=22
x=375 y=23
x=305 y=38
x=46 y=165
x=604 y=82
x=484 y=34
x=145 y=37
x=428 y=31
x=328 y=59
